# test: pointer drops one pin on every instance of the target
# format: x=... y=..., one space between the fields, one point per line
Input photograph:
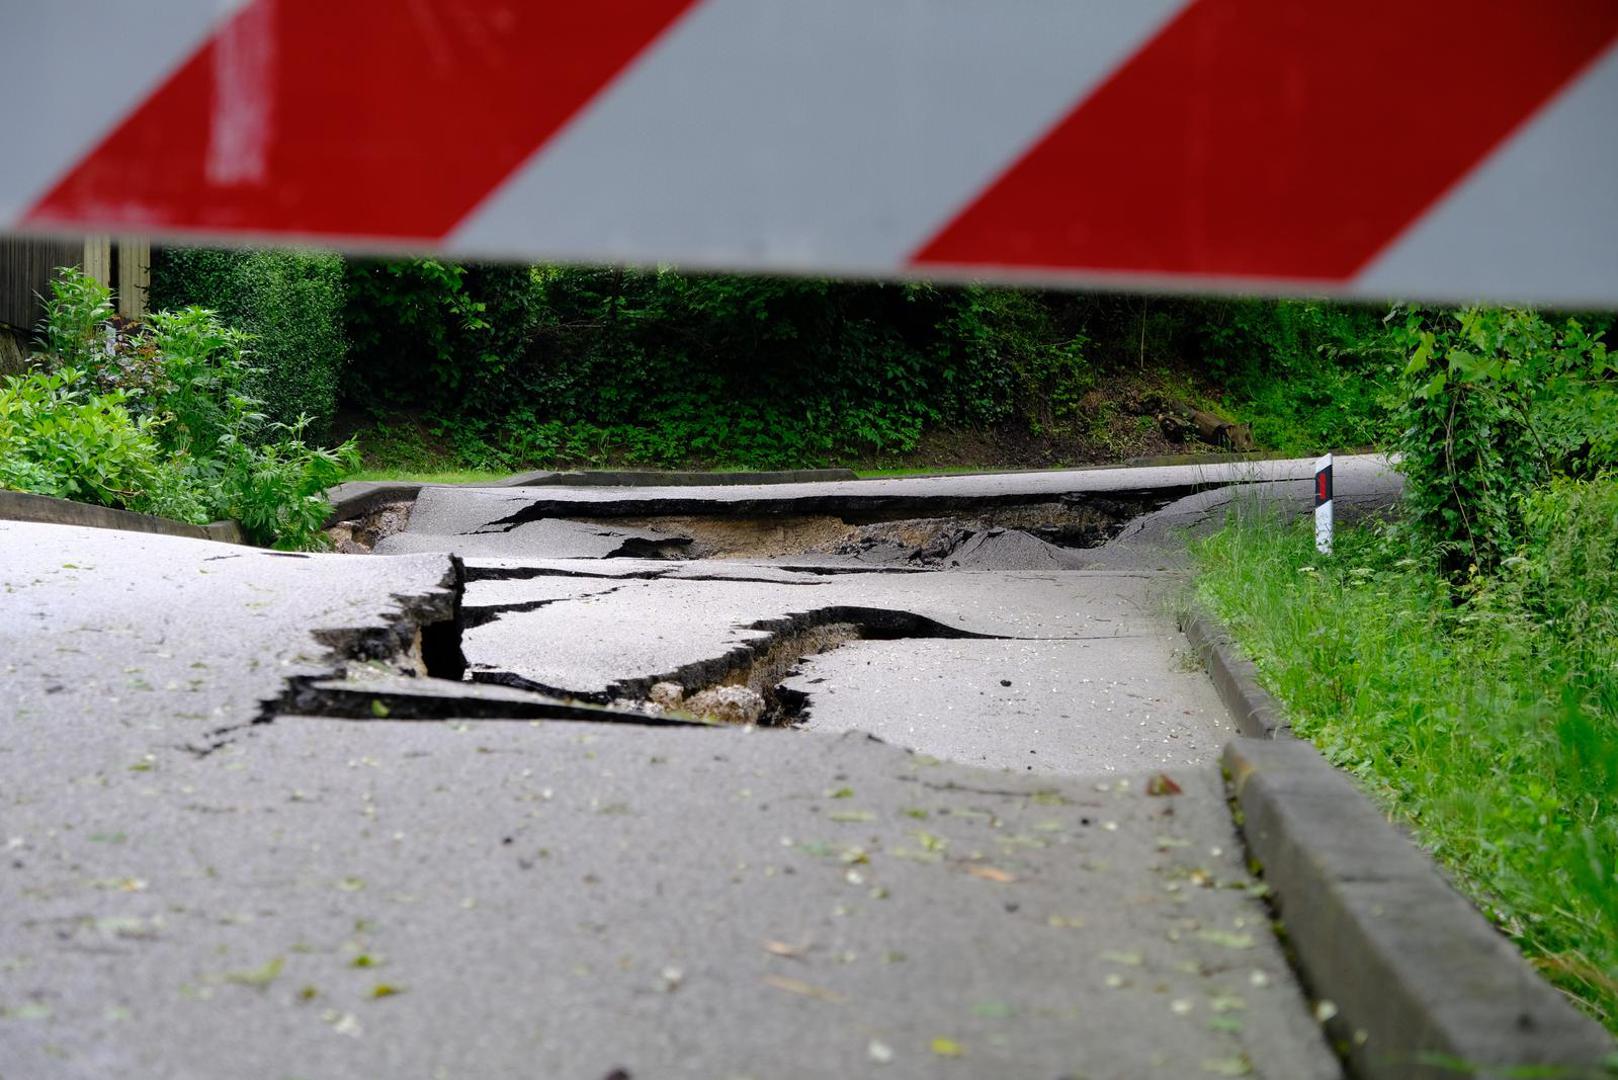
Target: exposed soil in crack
x=393 y=698
x=359 y=536
x=759 y=666
x=925 y=542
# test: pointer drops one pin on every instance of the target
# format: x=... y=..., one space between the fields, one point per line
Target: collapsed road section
x=717 y=602
x=255 y=802
x=352 y=891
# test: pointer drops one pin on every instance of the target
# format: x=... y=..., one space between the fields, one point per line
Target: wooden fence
x=26 y=266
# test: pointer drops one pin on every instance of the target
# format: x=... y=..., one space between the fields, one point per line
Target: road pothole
x=744 y=684
x=1023 y=535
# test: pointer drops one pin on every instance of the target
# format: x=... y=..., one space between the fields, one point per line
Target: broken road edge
x=1421 y=984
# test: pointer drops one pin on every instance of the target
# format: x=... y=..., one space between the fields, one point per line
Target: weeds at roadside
x=1484 y=713
x=158 y=420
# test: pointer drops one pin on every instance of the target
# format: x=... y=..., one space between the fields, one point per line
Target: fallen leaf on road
x=382 y=990
x=798 y=986
x=989 y=873
x=781 y=948
x=1132 y=959
x=1236 y=1066
x=948 y=1048
x=1162 y=784
x=258 y=977
x=1227 y=939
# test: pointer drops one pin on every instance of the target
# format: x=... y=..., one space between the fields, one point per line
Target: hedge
x=291 y=302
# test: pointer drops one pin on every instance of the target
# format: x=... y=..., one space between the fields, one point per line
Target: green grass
x=1490 y=725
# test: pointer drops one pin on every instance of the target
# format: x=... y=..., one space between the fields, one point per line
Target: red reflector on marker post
x=1323 y=510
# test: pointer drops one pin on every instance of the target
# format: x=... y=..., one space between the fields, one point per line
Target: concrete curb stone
x=1424 y=987
x=1235 y=677
x=46 y=510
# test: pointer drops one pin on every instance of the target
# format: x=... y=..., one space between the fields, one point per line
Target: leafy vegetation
x=1462 y=660
x=516 y=367
x=453 y=367
x=291 y=303
x=1491 y=726
x=1308 y=375
x=1496 y=402
x=663 y=369
x=159 y=419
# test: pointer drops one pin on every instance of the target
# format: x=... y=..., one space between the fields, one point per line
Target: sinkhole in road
x=745 y=682
x=1014 y=536
x=959 y=534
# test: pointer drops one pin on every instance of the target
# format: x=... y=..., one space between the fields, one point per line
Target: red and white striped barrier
x=1369 y=147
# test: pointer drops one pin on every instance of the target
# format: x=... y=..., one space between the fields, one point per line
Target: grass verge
x=1486 y=718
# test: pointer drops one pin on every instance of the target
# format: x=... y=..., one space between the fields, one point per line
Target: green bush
x=290 y=305
x=436 y=333
x=587 y=365
x=60 y=437
x=1307 y=375
x=1497 y=402
x=159 y=420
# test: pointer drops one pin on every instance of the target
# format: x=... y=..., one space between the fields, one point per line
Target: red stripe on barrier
x=361 y=118
x=1272 y=138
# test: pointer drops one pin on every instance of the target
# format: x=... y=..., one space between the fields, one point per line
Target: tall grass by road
x=1484 y=713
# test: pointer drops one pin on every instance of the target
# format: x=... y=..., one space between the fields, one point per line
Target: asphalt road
x=201 y=884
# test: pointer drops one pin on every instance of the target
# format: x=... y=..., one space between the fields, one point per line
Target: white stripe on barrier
x=893 y=113
x=1475 y=241
x=72 y=69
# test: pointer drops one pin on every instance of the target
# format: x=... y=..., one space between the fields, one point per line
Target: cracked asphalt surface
x=199 y=884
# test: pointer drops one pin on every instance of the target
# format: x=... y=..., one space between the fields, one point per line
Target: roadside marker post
x=1323 y=510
